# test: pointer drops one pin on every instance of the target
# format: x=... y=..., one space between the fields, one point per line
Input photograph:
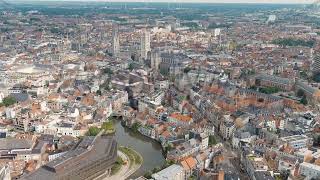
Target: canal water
x=149 y=149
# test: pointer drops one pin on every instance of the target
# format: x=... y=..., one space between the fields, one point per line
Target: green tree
x=116 y=18
x=93 y=131
x=253 y=87
x=300 y=93
x=191 y=25
x=232 y=45
x=304 y=100
x=135 y=127
x=168 y=148
x=284 y=174
x=148 y=175
x=269 y=90
x=167 y=164
x=186 y=69
x=99 y=92
x=117 y=166
x=133 y=57
x=316 y=140
x=34 y=19
x=212 y=140
x=131 y=66
x=214 y=26
x=105 y=85
x=316 y=78
x=8 y=101
x=107 y=71
x=294 y=42
x=55 y=30
x=108 y=126
x=156 y=169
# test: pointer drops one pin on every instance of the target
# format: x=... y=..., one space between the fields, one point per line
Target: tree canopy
x=192 y=25
x=304 y=100
x=269 y=90
x=93 y=131
x=212 y=140
x=135 y=127
x=107 y=71
x=108 y=126
x=8 y=101
x=294 y=42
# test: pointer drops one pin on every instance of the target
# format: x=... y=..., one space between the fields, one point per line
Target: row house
x=184 y=150
x=179 y=119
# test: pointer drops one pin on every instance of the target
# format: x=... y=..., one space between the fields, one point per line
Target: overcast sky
x=195 y=1
x=228 y=1
x=222 y=1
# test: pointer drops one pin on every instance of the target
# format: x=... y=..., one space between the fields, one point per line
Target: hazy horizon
x=189 y=1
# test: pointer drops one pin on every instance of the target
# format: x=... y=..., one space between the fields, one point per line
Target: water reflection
x=149 y=149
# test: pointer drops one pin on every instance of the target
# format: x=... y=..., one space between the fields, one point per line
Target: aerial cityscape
x=180 y=90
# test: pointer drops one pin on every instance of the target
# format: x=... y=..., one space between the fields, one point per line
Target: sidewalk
x=125 y=170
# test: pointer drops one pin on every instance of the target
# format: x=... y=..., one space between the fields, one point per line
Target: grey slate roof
x=12 y=143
